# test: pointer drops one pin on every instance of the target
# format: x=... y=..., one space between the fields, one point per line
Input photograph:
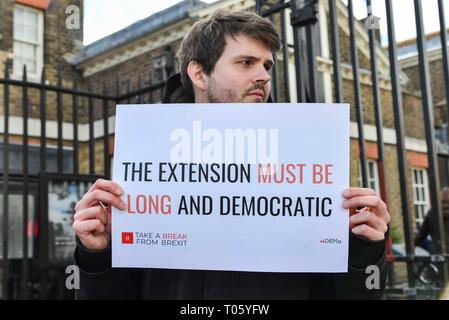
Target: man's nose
x=262 y=76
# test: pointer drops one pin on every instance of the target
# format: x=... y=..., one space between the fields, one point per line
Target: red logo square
x=127 y=237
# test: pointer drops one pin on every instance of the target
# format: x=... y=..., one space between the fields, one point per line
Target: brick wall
x=437 y=84
x=58 y=43
x=130 y=70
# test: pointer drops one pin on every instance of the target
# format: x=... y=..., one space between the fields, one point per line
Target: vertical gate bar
x=25 y=186
x=128 y=89
x=336 y=59
x=161 y=93
x=60 y=124
x=139 y=86
x=43 y=110
x=311 y=59
x=91 y=130
x=400 y=139
x=117 y=87
x=43 y=146
x=75 y=129
x=151 y=79
x=258 y=6
x=377 y=108
x=5 y=231
x=298 y=66
x=285 y=57
x=274 y=74
x=357 y=96
x=443 y=36
x=107 y=170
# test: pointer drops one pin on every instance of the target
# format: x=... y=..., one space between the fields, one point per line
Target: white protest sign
x=244 y=187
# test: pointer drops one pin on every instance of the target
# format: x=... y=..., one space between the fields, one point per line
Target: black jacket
x=99 y=281
x=428 y=228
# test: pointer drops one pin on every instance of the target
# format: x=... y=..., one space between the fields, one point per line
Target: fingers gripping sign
x=369 y=213
x=92 y=220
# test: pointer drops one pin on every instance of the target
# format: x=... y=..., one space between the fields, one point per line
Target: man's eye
x=246 y=62
x=267 y=67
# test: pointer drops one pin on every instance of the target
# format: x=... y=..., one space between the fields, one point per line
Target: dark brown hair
x=205 y=41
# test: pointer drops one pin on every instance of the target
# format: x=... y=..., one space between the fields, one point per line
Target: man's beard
x=222 y=95
x=226 y=95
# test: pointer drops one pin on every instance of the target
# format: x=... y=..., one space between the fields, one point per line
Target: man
x=226 y=58
x=428 y=227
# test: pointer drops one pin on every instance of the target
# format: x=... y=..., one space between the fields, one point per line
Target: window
x=16 y=159
x=420 y=195
x=15 y=220
x=28 y=41
x=373 y=175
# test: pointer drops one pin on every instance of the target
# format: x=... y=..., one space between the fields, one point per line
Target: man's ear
x=196 y=75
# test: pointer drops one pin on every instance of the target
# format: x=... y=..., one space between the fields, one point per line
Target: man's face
x=241 y=73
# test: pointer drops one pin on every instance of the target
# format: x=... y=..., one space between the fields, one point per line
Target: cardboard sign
x=244 y=187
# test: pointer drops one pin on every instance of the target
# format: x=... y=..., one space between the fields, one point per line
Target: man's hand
x=372 y=220
x=92 y=220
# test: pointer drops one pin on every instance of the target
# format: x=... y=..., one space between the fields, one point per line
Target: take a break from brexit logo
x=127 y=238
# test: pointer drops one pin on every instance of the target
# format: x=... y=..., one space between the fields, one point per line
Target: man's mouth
x=258 y=93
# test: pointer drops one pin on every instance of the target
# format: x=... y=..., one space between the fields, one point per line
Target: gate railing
x=93 y=116
x=304 y=17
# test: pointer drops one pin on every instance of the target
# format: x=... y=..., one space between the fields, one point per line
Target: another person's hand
x=92 y=220
x=371 y=221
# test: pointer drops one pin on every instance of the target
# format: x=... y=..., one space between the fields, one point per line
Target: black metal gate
x=426 y=275
x=26 y=166
x=28 y=170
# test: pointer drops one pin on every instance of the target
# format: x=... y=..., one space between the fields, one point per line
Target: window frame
x=17 y=73
x=424 y=187
x=375 y=178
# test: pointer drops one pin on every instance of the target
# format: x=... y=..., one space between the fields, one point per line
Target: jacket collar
x=174 y=92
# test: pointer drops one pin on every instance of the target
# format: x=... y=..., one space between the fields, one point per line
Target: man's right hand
x=92 y=220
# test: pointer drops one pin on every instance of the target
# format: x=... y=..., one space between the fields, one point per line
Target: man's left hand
x=372 y=219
